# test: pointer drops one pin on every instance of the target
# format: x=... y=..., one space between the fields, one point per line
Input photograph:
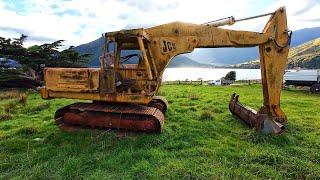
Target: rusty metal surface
x=120 y=97
x=111 y=116
x=72 y=79
x=160 y=103
x=261 y=122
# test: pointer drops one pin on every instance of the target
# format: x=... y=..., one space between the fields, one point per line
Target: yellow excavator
x=123 y=94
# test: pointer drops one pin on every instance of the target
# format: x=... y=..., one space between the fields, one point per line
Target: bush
x=231 y=75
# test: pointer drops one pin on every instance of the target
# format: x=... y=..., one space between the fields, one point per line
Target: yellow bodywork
x=82 y=83
x=138 y=83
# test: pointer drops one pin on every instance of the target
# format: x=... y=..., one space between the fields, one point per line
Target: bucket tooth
x=261 y=122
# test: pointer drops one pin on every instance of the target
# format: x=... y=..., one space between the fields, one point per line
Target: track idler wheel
x=261 y=122
x=160 y=103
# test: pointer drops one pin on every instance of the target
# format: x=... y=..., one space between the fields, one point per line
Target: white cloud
x=309 y=9
x=82 y=21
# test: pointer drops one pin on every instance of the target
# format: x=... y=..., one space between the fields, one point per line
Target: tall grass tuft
x=4 y=117
x=161 y=93
x=41 y=107
x=23 y=98
x=10 y=107
x=27 y=131
x=9 y=95
x=206 y=115
x=193 y=96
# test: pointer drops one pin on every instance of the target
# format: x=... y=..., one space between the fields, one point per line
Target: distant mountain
x=306 y=55
x=184 y=61
x=219 y=56
x=224 y=56
x=94 y=48
x=304 y=35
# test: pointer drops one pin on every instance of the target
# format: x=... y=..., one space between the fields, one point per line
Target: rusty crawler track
x=112 y=116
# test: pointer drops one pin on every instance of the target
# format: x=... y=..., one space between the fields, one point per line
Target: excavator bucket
x=261 y=122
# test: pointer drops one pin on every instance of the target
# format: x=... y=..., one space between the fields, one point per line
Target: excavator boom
x=132 y=64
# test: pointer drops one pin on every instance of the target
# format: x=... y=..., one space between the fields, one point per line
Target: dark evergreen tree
x=231 y=75
x=32 y=60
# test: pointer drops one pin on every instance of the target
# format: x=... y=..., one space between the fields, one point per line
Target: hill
x=220 y=56
x=225 y=56
x=306 y=55
x=184 y=61
x=95 y=48
x=304 y=35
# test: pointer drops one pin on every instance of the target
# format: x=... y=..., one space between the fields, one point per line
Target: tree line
x=31 y=61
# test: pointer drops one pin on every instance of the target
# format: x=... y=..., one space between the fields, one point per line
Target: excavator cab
x=126 y=64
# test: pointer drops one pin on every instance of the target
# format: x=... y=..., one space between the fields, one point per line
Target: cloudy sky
x=81 y=21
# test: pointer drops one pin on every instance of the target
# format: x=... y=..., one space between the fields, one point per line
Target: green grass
x=200 y=140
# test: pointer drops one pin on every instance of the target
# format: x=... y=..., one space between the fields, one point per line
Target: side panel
x=72 y=79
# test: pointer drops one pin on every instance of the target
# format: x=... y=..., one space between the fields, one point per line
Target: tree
x=12 y=48
x=231 y=75
x=34 y=58
x=70 y=58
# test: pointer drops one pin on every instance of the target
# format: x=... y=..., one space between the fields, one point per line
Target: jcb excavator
x=124 y=95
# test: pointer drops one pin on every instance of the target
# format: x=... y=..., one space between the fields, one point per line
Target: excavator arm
x=176 y=38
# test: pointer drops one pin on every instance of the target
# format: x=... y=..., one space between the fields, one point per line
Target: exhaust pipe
x=261 y=122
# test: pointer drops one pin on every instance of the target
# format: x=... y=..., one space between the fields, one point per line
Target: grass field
x=200 y=140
